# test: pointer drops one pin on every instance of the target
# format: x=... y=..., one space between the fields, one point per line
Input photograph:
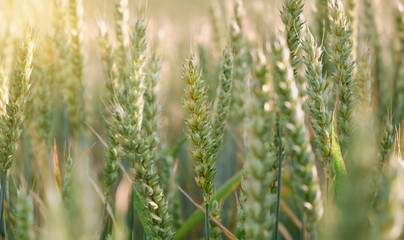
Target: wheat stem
x=279 y=181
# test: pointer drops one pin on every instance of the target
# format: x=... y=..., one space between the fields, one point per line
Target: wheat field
x=218 y=119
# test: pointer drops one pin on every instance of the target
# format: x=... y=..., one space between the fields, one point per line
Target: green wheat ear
x=108 y=61
x=127 y=112
x=61 y=39
x=304 y=172
x=321 y=20
x=42 y=90
x=221 y=112
x=24 y=216
x=221 y=109
x=68 y=179
x=74 y=84
x=199 y=131
x=215 y=211
x=317 y=91
x=3 y=92
x=341 y=56
x=216 y=17
x=398 y=97
x=11 y=122
x=122 y=38
x=387 y=141
x=133 y=90
x=260 y=160
x=241 y=215
x=363 y=75
x=112 y=156
x=351 y=7
x=291 y=17
x=151 y=109
x=387 y=224
x=240 y=75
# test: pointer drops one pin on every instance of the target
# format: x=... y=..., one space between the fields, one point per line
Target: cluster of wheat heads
x=282 y=122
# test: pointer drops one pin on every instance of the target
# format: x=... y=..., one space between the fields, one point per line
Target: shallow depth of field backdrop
x=192 y=119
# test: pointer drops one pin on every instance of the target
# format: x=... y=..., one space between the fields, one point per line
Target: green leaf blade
x=338 y=162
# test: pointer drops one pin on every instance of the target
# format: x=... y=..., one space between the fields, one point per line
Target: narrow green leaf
x=339 y=164
x=142 y=214
x=198 y=215
x=177 y=147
